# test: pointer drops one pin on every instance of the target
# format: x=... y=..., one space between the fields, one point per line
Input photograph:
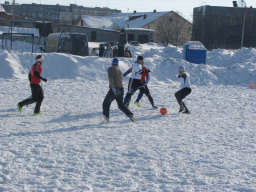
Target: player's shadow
x=68 y=117
x=149 y=117
x=61 y=130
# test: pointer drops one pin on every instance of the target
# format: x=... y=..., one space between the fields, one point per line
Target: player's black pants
x=181 y=94
x=133 y=85
x=147 y=93
x=37 y=96
x=119 y=99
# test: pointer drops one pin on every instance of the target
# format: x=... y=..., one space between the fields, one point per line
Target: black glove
x=182 y=75
x=148 y=70
x=45 y=80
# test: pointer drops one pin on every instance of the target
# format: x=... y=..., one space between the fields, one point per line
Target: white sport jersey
x=136 y=70
x=185 y=81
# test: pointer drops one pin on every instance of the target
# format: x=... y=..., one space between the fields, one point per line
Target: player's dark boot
x=181 y=109
x=186 y=111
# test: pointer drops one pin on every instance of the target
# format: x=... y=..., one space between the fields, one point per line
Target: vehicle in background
x=72 y=43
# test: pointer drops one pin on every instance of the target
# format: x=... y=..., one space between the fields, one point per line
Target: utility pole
x=243 y=24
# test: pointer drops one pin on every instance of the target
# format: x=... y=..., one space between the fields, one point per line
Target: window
x=52 y=44
x=248 y=41
x=233 y=20
x=232 y=39
x=143 y=38
x=216 y=20
x=67 y=46
x=249 y=20
x=93 y=36
x=131 y=37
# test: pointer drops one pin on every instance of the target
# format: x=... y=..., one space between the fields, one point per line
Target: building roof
x=1 y=8
x=118 y=21
x=34 y=31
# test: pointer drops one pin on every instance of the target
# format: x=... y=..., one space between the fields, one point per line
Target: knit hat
x=139 y=58
x=181 y=68
x=115 y=61
x=39 y=58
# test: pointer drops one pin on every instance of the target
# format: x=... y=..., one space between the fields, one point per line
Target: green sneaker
x=19 y=108
x=137 y=103
x=37 y=113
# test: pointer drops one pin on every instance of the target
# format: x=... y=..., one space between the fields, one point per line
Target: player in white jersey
x=135 y=80
x=185 y=89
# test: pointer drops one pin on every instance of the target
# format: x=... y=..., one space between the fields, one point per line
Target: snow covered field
x=66 y=149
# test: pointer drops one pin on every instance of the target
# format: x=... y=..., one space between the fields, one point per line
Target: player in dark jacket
x=116 y=92
x=35 y=85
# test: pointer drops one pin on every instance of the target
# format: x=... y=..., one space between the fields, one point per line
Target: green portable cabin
x=72 y=43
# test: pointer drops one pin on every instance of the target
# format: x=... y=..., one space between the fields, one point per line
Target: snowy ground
x=66 y=149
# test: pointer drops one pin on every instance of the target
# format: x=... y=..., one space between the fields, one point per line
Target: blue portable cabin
x=194 y=52
x=72 y=43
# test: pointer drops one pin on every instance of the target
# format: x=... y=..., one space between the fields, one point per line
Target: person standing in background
x=108 y=52
x=121 y=43
x=101 y=50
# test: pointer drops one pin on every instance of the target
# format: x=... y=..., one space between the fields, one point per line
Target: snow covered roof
x=122 y=20
x=1 y=9
x=138 y=29
x=34 y=31
x=97 y=21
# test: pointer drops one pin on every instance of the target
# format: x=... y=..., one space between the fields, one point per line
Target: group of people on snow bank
x=139 y=79
x=110 y=52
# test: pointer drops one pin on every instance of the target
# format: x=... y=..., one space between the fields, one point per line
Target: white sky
x=184 y=7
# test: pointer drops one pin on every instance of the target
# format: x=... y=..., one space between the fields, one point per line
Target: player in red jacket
x=145 y=78
x=35 y=85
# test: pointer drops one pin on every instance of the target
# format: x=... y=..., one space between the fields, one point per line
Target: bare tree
x=171 y=30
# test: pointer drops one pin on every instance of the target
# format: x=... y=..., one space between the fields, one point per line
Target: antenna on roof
x=242 y=3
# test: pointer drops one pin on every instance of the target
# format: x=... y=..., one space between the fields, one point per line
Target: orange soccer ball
x=163 y=111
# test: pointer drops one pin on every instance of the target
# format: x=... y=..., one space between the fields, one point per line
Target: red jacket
x=36 y=67
x=143 y=77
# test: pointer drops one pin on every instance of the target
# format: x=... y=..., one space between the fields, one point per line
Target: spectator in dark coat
x=115 y=52
x=121 y=43
x=101 y=50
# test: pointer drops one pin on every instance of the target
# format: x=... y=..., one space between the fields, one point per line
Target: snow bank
x=227 y=67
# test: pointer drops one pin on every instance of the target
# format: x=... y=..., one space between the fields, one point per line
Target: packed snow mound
x=228 y=67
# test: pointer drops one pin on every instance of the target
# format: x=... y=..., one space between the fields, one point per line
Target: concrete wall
x=56 y=13
x=221 y=27
x=140 y=35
